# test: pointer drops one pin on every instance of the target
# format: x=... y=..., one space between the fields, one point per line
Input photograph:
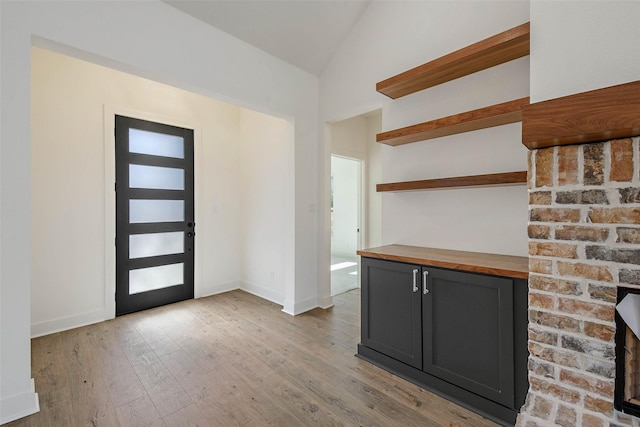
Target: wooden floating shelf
x=597 y=115
x=482 y=118
x=495 y=50
x=507 y=178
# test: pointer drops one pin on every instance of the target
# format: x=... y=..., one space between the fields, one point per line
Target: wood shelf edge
x=481 y=118
x=597 y=115
x=495 y=179
x=497 y=49
x=476 y=262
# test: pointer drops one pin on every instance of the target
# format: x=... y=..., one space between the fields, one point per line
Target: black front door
x=155 y=226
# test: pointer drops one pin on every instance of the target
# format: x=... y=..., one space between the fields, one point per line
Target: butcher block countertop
x=515 y=267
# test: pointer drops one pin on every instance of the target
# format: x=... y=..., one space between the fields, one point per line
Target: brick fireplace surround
x=584 y=237
x=584 y=213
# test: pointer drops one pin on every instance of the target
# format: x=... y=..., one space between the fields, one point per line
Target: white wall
x=373 y=214
x=392 y=37
x=265 y=163
x=582 y=46
x=153 y=40
x=68 y=173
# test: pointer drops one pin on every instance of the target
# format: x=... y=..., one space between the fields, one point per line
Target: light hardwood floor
x=227 y=360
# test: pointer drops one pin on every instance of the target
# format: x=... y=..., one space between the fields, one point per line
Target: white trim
x=262 y=292
x=325 y=302
x=110 y=200
x=70 y=322
x=20 y=405
x=214 y=289
x=300 y=306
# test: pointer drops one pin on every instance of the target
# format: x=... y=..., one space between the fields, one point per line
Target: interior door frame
x=361 y=204
x=109 y=113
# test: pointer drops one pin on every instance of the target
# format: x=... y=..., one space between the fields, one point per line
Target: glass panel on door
x=155 y=177
x=156 y=144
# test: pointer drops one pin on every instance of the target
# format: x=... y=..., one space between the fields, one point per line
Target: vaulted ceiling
x=304 y=33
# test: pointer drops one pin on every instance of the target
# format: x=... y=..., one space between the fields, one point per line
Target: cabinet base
x=478 y=404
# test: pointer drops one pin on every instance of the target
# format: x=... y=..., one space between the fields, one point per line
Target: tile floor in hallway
x=344 y=274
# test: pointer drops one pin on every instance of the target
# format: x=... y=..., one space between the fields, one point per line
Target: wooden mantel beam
x=597 y=115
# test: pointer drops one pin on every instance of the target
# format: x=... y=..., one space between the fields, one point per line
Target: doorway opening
x=346 y=223
x=355 y=206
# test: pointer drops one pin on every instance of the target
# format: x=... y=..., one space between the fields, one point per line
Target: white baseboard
x=65 y=323
x=262 y=292
x=213 y=289
x=19 y=406
x=301 y=306
x=325 y=302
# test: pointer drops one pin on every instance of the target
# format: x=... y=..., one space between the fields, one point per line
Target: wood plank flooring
x=227 y=360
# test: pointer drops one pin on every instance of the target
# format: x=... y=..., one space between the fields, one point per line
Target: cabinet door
x=391 y=309
x=468 y=332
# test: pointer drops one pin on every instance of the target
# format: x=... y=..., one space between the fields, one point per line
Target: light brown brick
x=554 y=355
x=566 y=416
x=544 y=337
x=595 y=272
x=540 y=368
x=552 y=249
x=628 y=235
x=544 y=167
x=589 y=420
x=615 y=215
x=592 y=385
x=552 y=284
x=530 y=423
x=581 y=233
x=584 y=308
x=537 y=265
x=550 y=387
x=568 y=164
x=621 y=160
x=623 y=419
x=555 y=215
x=541 y=300
x=541 y=407
x=537 y=231
x=596 y=404
x=540 y=198
x=553 y=320
x=599 y=331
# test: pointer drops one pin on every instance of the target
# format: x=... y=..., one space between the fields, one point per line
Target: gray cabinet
x=458 y=333
x=391 y=310
x=468 y=332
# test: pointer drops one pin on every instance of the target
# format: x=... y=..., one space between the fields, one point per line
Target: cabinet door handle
x=415 y=279
x=425 y=275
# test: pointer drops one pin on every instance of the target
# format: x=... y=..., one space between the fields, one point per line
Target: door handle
x=425 y=276
x=415 y=279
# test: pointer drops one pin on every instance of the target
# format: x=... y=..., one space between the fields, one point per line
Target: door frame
x=109 y=113
x=361 y=207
